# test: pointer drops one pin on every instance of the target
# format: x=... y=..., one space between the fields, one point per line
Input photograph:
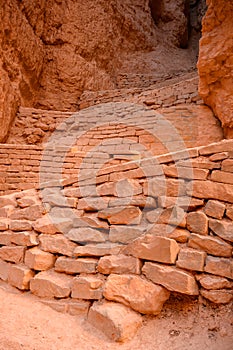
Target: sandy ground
x=28 y=324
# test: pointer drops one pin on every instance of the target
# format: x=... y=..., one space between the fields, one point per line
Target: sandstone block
x=223 y=229
x=224 y=146
x=154 y=248
x=229 y=213
x=117 y=321
x=70 y=306
x=99 y=249
x=37 y=259
x=26 y=201
x=138 y=293
x=190 y=259
x=184 y=202
x=4 y=224
x=12 y=254
x=74 y=266
x=219 y=156
x=5 y=238
x=219 y=266
x=185 y=172
x=215 y=209
x=211 y=245
x=210 y=190
x=179 y=235
x=223 y=296
x=31 y=213
x=57 y=244
x=125 y=234
x=197 y=222
x=171 y=216
x=19 y=276
x=119 y=264
x=20 y=225
x=214 y=282
x=227 y=165
x=50 y=284
x=45 y=225
x=122 y=215
x=87 y=287
x=169 y=187
x=86 y=235
x=25 y=238
x=222 y=176
x=172 y=278
x=4 y=269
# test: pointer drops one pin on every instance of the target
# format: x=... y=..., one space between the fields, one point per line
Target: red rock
x=50 y=284
x=211 y=190
x=138 y=293
x=172 y=278
x=45 y=225
x=215 y=209
x=4 y=269
x=74 y=266
x=190 y=259
x=119 y=264
x=219 y=266
x=211 y=245
x=57 y=244
x=70 y=306
x=5 y=238
x=20 y=225
x=229 y=213
x=13 y=254
x=154 y=248
x=4 y=224
x=179 y=235
x=223 y=296
x=25 y=238
x=222 y=228
x=99 y=249
x=19 y=276
x=185 y=172
x=214 y=282
x=122 y=216
x=39 y=260
x=7 y=201
x=197 y=222
x=169 y=187
x=171 y=216
x=182 y=202
x=222 y=176
x=86 y=235
x=31 y=213
x=117 y=321
x=87 y=287
x=227 y=165
x=125 y=233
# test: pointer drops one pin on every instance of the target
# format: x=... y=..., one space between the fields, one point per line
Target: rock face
x=215 y=61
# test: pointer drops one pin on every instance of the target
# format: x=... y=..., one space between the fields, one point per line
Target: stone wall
x=142 y=230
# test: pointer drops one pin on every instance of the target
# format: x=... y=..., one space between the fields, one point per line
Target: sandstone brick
x=45 y=225
x=5 y=238
x=86 y=235
x=122 y=215
x=154 y=248
x=50 y=284
x=229 y=213
x=184 y=202
x=4 y=269
x=197 y=222
x=172 y=278
x=138 y=293
x=138 y=201
x=99 y=249
x=20 y=225
x=190 y=259
x=223 y=296
x=92 y=204
x=222 y=228
x=26 y=201
x=127 y=188
x=39 y=260
x=219 y=266
x=219 y=156
x=222 y=176
x=179 y=235
x=161 y=187
x=227 y=165
x=19 y=276
x=171 y=216
x=214 y=282
x=7 y=200
x=125 y=234
x=119 y=264
x=31 y=213
x=210 y=190
x=117 y=321
x=74 y=266
x=224 y=146
x=70 y=306
x=57 y=244
x=4 y=224
x=200 y=163
x=185 y=172
x=87 y=287
x=25 y=238
x=215 y=209
x=211 y=245
x=12 y=254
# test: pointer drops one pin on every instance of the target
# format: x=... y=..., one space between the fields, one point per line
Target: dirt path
x=27 y=324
